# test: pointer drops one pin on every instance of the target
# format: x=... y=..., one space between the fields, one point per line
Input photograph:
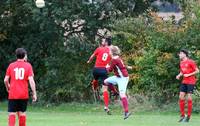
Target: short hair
x=20 y=53
x=185 y=52
x=115 y=50
x=109 y=40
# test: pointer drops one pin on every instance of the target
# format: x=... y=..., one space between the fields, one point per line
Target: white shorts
x=122 y=83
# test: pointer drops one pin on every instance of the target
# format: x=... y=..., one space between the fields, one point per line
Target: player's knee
x=11 y=113
x=105 y=88
x=182 y=96
x=122 y=95
x=189 y=97
x=105 y=82
x=22 y=113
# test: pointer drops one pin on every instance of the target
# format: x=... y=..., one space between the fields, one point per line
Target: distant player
x=103 y=58
x=18 y=74
x=188 y=69
x=120 y=78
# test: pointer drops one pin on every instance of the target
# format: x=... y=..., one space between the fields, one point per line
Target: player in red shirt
x=16 y=81
x=120 y=78
x=188 y=69
x=103 y=58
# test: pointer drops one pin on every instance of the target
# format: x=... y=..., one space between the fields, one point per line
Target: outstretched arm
x=91 y=58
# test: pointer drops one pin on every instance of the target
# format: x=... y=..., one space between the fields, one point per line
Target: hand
x=178 y=77
x=88 y=61
x=107 y=66
x=129 y=67
x=186 y=75
x=34 y=97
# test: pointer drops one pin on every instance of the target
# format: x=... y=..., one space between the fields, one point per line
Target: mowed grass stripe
x=99 y=119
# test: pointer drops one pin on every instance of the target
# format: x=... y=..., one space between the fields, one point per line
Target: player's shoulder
x=105 y=48
x=116 y=59
x=101 y=48
x=191 y=61
x=13 y=63
x=28 y=64
x=25 y=63
x=98 y=48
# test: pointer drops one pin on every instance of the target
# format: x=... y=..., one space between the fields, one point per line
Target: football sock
x=22 y=120
x=189 y=108
x=125 y=104
x=113 y=89
x=95 y=84
x=106 y=98
x=11 y=120
x=182 y=107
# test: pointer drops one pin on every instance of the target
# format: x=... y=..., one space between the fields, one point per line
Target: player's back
x=119 y=67
x=19 y=71
x=103 y=56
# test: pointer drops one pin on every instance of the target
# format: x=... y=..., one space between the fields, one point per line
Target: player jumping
x=120 y=78
x=103 y=58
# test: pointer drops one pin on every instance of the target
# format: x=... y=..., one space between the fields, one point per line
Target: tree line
x=60 y=38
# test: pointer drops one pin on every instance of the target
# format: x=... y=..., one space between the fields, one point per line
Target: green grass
x=92 y=115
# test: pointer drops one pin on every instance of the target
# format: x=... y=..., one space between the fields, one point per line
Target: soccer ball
x=40 y=3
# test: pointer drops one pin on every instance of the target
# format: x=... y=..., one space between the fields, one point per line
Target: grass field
x=92 y=115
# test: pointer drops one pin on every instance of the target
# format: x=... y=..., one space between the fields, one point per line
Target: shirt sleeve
x=30 y=72
x=180 y=68
x=96 y=52
x=193 y=65
x=8 y=71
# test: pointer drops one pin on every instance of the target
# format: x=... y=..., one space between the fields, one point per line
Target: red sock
x=11 y=120
x=125 y=104
x=22 y=120
x=182 y=107
x=189 y=108
x=95 y=84
x=106 y=98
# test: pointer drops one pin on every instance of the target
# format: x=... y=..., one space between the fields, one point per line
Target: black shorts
x=17 y=105
x=187 y=88
x=100 y=73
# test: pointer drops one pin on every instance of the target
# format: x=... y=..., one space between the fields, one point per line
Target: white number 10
x=19 y=73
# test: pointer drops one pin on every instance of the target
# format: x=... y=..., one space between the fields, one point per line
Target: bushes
x=59 y=61
x=152 y=51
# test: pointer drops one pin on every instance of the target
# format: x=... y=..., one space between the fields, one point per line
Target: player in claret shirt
x=18 y=74
x=120 y=78
x=188 y=69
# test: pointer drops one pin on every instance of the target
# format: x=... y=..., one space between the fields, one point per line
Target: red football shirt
x=118 y=66
x=186 y=67
x=103 y=56
x=19 y=71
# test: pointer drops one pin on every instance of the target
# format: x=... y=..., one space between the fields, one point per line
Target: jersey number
x=19 y=73
x=105 y=56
